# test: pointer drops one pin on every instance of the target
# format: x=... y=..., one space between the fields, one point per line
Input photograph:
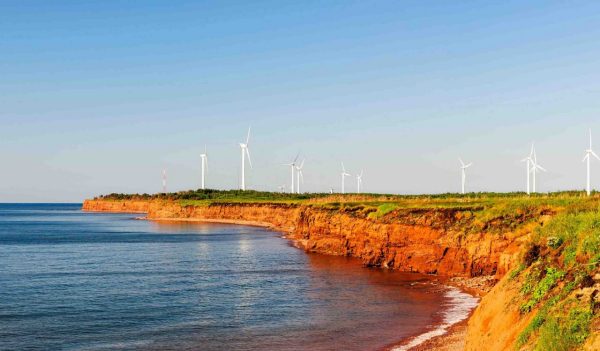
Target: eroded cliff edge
x=453 y=241
x=425 y=241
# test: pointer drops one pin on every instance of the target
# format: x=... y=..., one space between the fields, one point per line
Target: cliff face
x=411 y=242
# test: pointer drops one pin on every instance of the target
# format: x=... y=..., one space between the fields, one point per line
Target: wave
x=457 y=309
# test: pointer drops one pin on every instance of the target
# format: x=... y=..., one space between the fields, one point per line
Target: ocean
x=71 y=280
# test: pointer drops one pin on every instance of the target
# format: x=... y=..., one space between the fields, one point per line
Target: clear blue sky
x=100 y=96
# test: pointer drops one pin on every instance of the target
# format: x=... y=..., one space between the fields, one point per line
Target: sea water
x=71 y=280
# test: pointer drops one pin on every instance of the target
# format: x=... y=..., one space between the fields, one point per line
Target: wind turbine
x=282 y=188
x=359 y=181
x=293 y=166
x=204 y=158
x=245 y=152
x=535 y=167
x=164 y=180
x=463 y=166
x=529 y=160
x=589 y=152
x=344 y=175
x=299 y=176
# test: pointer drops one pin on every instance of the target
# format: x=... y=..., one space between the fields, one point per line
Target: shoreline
x=453 y=340
x=450 y=332
x=443 y=336
x=222 y=221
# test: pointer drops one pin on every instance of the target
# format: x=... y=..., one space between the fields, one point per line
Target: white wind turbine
x=204 y=158
x=282 y=188
x=245 y=152
x=293 y=166
x=463 y=167
x=344 y=174
x=299 y=176
x=359 y=181
x=529 y=160
x=535 y=167
x=589 y=152
x=164 y=180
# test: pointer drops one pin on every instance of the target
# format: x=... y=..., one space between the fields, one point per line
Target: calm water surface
x=80 y=281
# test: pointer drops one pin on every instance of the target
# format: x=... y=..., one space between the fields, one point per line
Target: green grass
x=542 y=287
x=382 y=210
x=515 y=272
x=569 y=250
x=577 y=233
x=564 y=332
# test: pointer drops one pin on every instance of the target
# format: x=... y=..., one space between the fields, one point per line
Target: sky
x=100 y=96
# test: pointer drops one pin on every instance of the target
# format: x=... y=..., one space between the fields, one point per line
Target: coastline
x=443 y=336
x=450 y=332
x=424 y=248
x=453 y=340
x=222 y=221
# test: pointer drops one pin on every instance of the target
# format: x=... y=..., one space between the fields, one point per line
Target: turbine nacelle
x=344 y=173
x=463 y=165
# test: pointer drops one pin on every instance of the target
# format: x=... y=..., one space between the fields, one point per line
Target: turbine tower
x=245 y=152
x=293 y=166
x=589 y=152
x=299 y=176
x=344 y=175
x=359 y=181
x=535 y=167
x=164 y=180
x=204 y=158
x=463 y=173
x=529 y=160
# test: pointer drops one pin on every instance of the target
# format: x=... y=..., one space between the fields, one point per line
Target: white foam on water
x=456 y=310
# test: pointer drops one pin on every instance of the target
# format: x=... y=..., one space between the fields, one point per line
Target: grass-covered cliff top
x=486 y=207
x=449 y=199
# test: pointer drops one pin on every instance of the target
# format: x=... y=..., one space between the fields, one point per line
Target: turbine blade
x=532 y=150
x=248 y=137
x=540 y=168
x=461 y=162
x=296 y=158
x=594 y=154
x=469 y=165
x=587 y=155
x=343 y=168
x=249 y=160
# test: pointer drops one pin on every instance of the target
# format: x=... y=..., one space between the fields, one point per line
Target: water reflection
x=107 y=281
